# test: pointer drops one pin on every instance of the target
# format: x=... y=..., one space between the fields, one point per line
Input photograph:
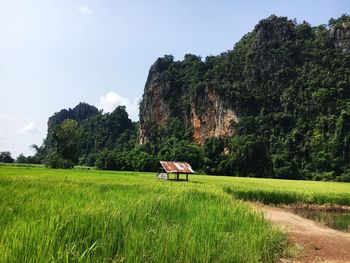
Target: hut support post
x=186 y=177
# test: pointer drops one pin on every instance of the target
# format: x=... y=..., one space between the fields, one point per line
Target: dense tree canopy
x=5 y=157
x=289 y=84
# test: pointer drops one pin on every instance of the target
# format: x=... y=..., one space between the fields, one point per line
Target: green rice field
x=98 y=216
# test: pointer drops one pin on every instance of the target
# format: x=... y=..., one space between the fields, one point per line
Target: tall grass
x=268 y=196
x=93 y=216
x=22 y=165
x=273 y=191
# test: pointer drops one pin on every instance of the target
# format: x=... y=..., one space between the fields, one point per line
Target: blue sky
x=57 y=53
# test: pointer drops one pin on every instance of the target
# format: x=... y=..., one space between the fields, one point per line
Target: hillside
x=279 y=100
x=276 y=105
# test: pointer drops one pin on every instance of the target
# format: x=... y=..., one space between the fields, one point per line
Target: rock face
x=341 y=37
x=271 y=33
x=207 y=110
x=215 y=121
x=209 y=96
x=154 y=110
x=78 y=113
x=207 y=115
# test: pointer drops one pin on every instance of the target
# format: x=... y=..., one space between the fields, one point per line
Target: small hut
x=175 y=168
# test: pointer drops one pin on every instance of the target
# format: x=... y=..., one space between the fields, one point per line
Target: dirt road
x=320 y=243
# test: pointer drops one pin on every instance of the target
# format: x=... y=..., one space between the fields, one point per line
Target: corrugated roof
x=177 y=167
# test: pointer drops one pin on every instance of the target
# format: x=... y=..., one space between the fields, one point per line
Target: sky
x=57 y=53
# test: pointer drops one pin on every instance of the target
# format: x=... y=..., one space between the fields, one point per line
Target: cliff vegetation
x=276 y=105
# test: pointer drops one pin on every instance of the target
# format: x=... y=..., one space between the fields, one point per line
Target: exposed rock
x=341 y=37
x=207 y=114
x=154 y=109
x=270 y=34
x=208 y=97
x=80 y=112
x=215 y=121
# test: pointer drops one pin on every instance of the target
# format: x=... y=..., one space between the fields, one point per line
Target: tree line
x=289 y=84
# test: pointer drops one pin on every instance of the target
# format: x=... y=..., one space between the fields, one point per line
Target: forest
x=288 y=82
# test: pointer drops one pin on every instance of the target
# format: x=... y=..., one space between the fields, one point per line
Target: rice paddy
x=98 y=216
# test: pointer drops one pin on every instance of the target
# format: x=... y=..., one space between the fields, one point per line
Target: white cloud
x=1 y=136
x=84 y=9
x=29 y=128
x=112 y=99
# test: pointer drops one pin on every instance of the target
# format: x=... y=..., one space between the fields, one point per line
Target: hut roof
x=177 y=167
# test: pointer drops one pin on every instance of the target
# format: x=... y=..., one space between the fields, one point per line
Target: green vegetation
x=340 y=22
x=93 y=216
x=287 y=82
x=5 y=157
x=22 y=165
x=83 y=135
x=271 y=191
x=339 y=220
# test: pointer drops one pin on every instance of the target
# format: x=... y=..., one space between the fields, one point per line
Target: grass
x=339 y=220
x=79 y=167
x=94 y=216
x=23 y=165
x=272 y=191
x=98 y=216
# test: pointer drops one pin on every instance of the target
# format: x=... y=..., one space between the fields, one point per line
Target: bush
x=249 y=157
x=5 y=157
x=142 y=161
x=21 y=159
x=317 y=177
x=324 y=176
x=54 y=160
x=345 y=177
x=136 y=160
x=110 y=160
x=284 y=168
x=88 y=160
x=183 y=151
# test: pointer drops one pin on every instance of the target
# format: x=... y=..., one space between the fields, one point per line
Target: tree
x=182 y=151
x=55 y=160
x=67 y=137
x=66 y=140
x=288 y=84
x=249 y=157
x=5 y=157
x=21 y=159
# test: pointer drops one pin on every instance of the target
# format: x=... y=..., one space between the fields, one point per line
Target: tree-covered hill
x=81 y=134
x=287 y=85
x=276 y=105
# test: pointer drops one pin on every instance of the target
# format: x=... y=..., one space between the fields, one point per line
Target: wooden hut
x=175 y=168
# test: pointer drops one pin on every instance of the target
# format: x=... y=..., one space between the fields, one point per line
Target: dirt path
x=320 y=243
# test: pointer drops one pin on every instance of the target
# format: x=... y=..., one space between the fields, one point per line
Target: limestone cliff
x=210 y=96
x=206 y=114
x=216 y=119
x=153 y=109
x=341 y=37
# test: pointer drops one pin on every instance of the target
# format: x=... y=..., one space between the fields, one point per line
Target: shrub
x=88 y=160
x=345 y=177
x=5 y=157
x=54 y=160
x=324 y=176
